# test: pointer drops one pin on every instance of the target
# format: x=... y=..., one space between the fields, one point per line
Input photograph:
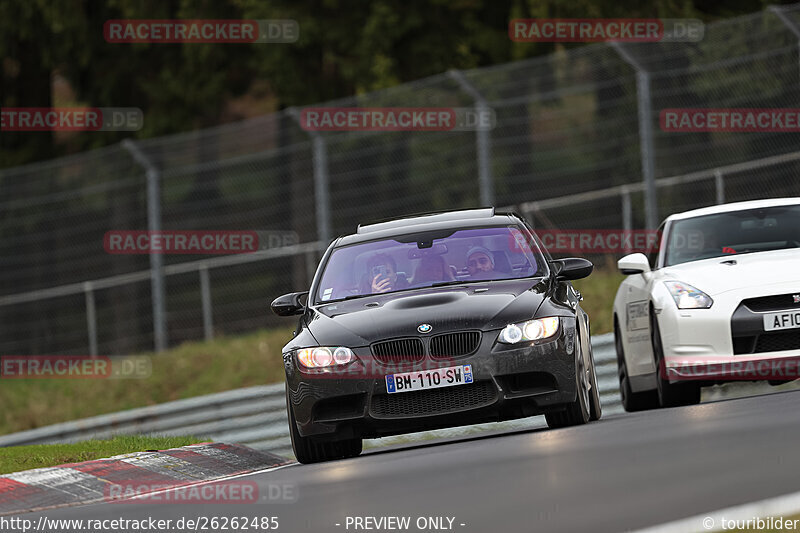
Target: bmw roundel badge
x=424 y=328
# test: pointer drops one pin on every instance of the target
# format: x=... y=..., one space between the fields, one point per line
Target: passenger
x=431 y=269
x=381 y=275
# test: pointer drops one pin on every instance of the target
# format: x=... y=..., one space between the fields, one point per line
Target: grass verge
x=17 y=458
x=598 y=292
x=191 y=369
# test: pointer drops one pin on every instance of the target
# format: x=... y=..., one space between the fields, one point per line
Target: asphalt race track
x=624 y=472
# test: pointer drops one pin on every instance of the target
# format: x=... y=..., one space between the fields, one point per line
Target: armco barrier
x=256 y=416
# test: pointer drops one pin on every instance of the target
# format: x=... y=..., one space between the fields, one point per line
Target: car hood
x=483 y=306
x=720 y=274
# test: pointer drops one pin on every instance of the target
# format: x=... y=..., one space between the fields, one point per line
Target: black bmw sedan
x=435 y=321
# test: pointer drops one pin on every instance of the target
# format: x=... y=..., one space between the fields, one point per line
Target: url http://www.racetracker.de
x=142 y=525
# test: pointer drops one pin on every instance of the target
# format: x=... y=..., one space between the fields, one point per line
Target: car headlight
x=688 y=297
x=532 y=330
x=322 y=356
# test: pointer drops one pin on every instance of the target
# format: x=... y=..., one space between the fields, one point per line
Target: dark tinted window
x=466 y=255
x=737 y=232
x=652 y=253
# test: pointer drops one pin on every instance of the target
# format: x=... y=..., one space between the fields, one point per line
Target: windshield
x=416 y=261
x=738 y=232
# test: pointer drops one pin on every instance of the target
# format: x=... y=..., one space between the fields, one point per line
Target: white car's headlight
x=532 y=330
x=322 y=356
x=688 y=297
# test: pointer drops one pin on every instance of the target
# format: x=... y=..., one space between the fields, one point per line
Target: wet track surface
x=624 y=472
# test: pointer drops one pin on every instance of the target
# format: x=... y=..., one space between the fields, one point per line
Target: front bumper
x=728 y=342
x=508 y=382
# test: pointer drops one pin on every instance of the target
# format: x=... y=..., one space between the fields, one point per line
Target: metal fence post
x=482 y=141
x=527 y=214
x=792 y=25
x=311 y=266
x=91 y=317
x=627 y=214
x=156 y=260
x=205 y=297
x=645 y=108
x=719 y=182
x=321 y=180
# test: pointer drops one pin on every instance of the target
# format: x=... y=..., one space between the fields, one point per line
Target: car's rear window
x=417 y=261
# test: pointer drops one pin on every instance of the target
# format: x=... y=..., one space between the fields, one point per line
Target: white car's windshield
x=410 y=262
x=736 y=232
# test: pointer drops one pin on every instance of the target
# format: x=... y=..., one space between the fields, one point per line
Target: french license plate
x=782 y=320
x=429 y=379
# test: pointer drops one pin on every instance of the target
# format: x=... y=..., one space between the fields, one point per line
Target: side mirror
x=634 y=264
x=572 y=268
x=289 y=304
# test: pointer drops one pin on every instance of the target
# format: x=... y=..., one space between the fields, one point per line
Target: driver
x=712 y=244
x=431 y=269
x=710 y=241
x=480 y=263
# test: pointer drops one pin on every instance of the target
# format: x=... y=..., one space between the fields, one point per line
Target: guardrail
x=256 y=416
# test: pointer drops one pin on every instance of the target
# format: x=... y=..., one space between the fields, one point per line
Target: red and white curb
x=89 y=482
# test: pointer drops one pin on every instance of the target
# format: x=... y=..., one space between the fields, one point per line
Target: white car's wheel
x=669 y=394
x=631 y=401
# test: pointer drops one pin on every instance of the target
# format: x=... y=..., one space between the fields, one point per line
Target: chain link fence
x=577 y=145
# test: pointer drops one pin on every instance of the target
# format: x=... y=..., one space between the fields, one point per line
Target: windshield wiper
x=351 y=297
x=443 y=283
x=465 y=281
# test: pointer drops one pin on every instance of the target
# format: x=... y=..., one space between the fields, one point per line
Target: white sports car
x=718 y=300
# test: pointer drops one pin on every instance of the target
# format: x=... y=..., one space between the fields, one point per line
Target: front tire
x=309 y=450
x=669 y=394
x=631 y=401
x=595 y=407
x=577 y=412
